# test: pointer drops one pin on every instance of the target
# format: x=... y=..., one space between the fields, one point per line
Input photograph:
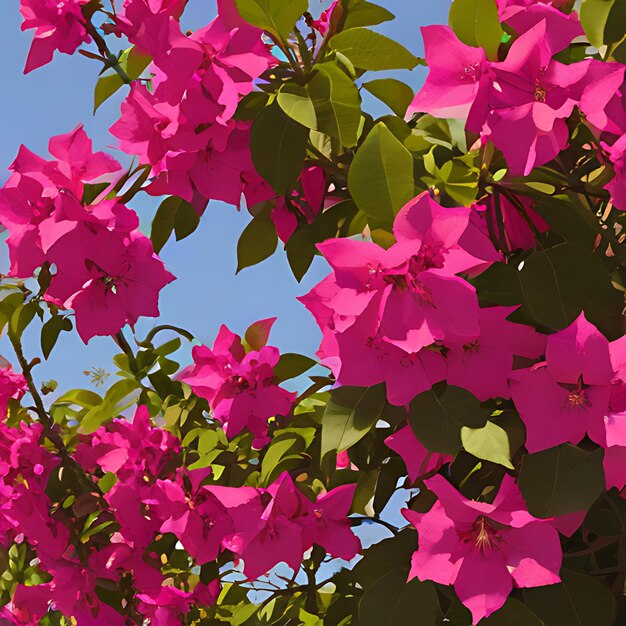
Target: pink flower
x=108 y=278
x=12 y=386
x=483 y=549
x=453 y=79
x=240 y=387
x=523 y=15
x=568 y=396
x=59 y=25
x=331 y=527
x=483 y=366
x=528 y=96
x=411 y=289
x=418 y=460
x=322 y=24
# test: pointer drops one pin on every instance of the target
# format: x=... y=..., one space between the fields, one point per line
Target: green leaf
x=394 y=93
x=291 y=365
x=278 y=146
x=296 y=102
x=275 y=16
x=391 y=601
x=489 y=443
x=173 y=215
x=80 y=397
x=476 y=23
x=560 y=282
x=593 y=17
x=186 y=220
x=286 y=448
x=300 y=251
x=561 y=480
x=350 y=414
x=21 y=318
x=258 y=333
x=337 y=103
x=107 y=482
x=369 y=50
x=380 y=179
x=258 y=240
x=513 y=613
x=363 y=13
x=578 y=601
x=132 y=62
x=437 y=420
x=51 y=331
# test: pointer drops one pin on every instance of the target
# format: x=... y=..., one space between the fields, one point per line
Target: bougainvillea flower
x=322 y=24
x=603 y=98
x=58 y=26
x=110 y=280
x=240 y=387
x=561 y=28
x=454 y=72
x=484 y=550
x=418 y=460
x=568 y=396
x=331 y=527
x=529 y=98
x=484 y=365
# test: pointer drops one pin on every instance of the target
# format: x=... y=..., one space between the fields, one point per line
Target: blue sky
x=53 y=99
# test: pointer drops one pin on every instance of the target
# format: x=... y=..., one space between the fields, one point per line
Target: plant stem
x=109 y=58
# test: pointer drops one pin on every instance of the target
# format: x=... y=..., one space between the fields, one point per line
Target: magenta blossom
x=566 y=397
x=108 y=278
x=453 y=79
x=528 y=96
x=240 y=387
x=418 y=460
x=58 y=26
x=484 y=365
x=483 y=549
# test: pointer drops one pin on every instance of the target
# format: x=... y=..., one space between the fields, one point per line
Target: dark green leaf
x=278 y=146
x=561 y=480
x=173 y=214
x=394 y=93
x=258 y=240
x=578 y=601
x=91 y=192
x=391 y=601
x=275 y=16
x=51 y=331
x=337 y=103
x=368 y=50
x=292 y=365
x=476 y=23
x=186 y=220
x=300 y=251
x=437 y=420
x=381 y=177
x=558 y=283
x=350 y=414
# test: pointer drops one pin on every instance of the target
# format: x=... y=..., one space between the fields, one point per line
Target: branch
x=44 y=418
x=110 y=60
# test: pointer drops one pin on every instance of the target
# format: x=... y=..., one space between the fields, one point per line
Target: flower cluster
x=153 y=497
x=240 y=386
x=103 y=266
x=529 y=95
x=184 y=127
x=12 y=386
x=402 y=316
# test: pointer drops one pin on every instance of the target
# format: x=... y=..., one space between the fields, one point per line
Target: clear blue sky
x=53 y=99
